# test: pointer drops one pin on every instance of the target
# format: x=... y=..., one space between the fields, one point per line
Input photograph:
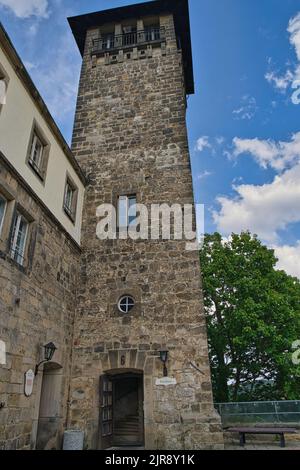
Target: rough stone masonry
x=130 y=137
x=37 y=304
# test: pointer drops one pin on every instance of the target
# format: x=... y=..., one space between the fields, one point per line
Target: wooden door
x=141 y=410
x=106 y=412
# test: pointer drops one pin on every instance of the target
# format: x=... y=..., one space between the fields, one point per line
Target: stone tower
x=139 y=298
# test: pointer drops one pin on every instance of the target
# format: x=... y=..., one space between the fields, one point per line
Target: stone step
x=124 y=429
x=126 y=426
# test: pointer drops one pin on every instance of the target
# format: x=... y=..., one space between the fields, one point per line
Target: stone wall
x=37 y=304
x=130 y=137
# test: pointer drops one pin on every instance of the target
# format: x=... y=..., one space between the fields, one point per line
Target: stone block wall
x=130 y=137
x=37 y=305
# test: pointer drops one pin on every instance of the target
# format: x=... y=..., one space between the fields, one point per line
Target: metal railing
x=110 y=42
x=260 y=412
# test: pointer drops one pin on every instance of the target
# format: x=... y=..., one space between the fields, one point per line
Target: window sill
x=6 y=256
x=36 y=171
x=69 y=215
x=20 y=267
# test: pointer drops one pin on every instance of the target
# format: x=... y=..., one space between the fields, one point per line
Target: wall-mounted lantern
x=164 y=358
x=49 y=350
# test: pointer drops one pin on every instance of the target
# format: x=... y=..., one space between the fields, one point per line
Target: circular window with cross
x=126 y=304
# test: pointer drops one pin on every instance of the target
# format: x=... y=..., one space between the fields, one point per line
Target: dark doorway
x=122 y=414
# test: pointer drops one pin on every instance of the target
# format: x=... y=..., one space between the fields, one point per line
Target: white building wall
x=16 y=120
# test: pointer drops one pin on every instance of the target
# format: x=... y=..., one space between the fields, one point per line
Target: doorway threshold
x=127 y=448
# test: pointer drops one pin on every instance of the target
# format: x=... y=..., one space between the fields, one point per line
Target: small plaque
x=165 y=381
x=29 y=379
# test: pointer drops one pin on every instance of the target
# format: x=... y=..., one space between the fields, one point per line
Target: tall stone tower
x=138 y=299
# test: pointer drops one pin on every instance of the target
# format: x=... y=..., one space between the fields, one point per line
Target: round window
x=126 y=304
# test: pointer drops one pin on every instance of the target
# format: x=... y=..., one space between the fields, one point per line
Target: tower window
x=129 y=35
x=126 y=304
x=18 y=239
x=152 y=33
x=127 y=211
x=108 y=41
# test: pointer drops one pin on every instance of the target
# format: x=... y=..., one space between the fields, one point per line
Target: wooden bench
x=256 y=430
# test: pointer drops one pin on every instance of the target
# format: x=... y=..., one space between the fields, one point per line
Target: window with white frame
x=152 y=33
x=108 y=41
x=126 y=304
x=36 y=153
x=3 y=86
x=2 y=90
x=3 y=205
x=127 y=212
x=37 y=157
x=70 y=199
x=19 y=237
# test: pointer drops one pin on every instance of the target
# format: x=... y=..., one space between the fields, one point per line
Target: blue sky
x=243 y=121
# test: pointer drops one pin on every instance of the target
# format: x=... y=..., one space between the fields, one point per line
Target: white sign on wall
x=29 y=379
x=165 y=381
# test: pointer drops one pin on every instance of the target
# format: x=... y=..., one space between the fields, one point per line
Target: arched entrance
x=121 y=409
x=49 y=420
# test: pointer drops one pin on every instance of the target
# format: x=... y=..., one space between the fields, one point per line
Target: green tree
x=253 y=318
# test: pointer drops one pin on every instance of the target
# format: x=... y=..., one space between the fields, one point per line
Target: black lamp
x=49 y=350
x=164 y=358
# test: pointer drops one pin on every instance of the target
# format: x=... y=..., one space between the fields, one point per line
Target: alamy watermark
x=154 y=222
x=296 y=354
x=296 y=94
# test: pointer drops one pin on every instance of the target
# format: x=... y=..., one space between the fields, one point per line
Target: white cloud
x=290 y=78
x=27 y=8
x=202 y=143
x=220 y=140
x=33 y=28
x=268 y=153
x=294 y=30
x=264 y=210
x=289 y=258
x=204 y=174
x=29 y=65
x=56 y=77
x=281 y=83
x=247 y=110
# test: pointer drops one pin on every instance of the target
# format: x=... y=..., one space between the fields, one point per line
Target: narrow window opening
x=70 y=199
x=38 y=153
x=3 y=86
x=152 y=33
x=126 y=304
x=3 y=205
x=19 y=237
x=108 y=41
x=127 y=212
